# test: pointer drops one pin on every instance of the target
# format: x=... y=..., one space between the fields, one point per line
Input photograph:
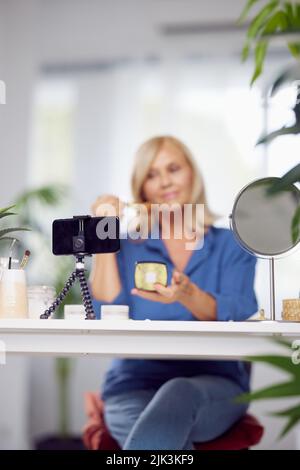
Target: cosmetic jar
x=114 y=312
x=39 y=299
x=149 y=273
x=74 y=312
x=291 y=309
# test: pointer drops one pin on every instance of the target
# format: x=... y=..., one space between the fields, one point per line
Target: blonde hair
x=143 y=160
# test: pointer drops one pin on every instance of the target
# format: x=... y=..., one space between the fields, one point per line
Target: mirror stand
x=272 y=290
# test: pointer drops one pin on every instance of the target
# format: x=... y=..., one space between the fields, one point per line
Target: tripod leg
x=60 y=297
x=87 y=302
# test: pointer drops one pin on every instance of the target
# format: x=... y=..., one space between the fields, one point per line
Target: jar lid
x=115 y=308
x=40 y=288
x=74 y=308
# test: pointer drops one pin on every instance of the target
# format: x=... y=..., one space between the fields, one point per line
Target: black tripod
x=78 y=273
x=79 y=253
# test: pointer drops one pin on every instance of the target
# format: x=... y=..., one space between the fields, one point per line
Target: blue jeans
x=182 y=411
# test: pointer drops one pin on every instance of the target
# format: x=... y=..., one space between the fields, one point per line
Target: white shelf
x=148 y=339
x=259 y=327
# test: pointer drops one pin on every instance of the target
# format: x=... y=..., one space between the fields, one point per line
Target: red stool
x=244 y=434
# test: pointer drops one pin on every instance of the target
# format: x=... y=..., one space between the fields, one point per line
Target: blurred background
x=86 y=83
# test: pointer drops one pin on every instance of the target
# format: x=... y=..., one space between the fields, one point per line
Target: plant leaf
x=49 y=195
x=246 y=10
x=291 y=177
x=5 y=214
x=286 y=389
x=266 y=139
x=278 y=21
x=281 y=362
x=8 y=238
x=296 y=108
x=260 y=54
x=294 y=411
x=291 y=423
x=293 y=14
x=296 y=226
x=296 y=17
x=289 y=11
x=5 y=209
x=259 y=20
x=5 y=231
x=289 y=75
x=245 y=51
x=294 y=49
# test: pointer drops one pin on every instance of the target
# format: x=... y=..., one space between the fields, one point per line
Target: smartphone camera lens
x=78 y=243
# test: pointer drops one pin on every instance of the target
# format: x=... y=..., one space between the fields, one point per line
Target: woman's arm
x=105 y=282
x=201 y=304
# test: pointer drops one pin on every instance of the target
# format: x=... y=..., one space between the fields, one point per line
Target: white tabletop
x=145 y=339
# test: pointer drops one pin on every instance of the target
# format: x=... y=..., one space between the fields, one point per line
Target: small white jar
x=114 y=312
x=39 y=299
x=74 y=312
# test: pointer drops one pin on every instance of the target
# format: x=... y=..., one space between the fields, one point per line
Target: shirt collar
x=198 y=256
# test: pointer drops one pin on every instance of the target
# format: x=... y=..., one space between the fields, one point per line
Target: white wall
x=18 y=67
x=93 y=140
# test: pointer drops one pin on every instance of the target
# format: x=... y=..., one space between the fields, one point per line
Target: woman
x=170 y=404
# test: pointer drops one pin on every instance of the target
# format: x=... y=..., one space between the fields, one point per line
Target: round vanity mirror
x=264 y=223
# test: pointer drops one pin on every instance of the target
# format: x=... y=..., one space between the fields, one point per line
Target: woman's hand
x=201 y=304
x=107 y=205
x=179 y=289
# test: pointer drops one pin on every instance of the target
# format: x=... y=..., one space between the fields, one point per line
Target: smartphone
x=85 y=234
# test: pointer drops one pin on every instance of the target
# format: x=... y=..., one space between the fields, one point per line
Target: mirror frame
x=236 y=233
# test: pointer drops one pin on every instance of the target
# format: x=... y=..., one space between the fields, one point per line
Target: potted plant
x=29 y=205
x=276 y=19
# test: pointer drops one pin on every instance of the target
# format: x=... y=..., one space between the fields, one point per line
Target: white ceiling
x=81 y=30
x=66 y=34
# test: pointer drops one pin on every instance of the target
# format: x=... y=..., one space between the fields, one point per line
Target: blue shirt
x=221 y=268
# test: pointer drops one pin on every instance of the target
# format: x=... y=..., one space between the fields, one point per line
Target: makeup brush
x=10 y=252
x=25 y=259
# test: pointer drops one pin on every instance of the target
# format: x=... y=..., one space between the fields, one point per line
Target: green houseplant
x=30 y=205
x=290 y=364
x=278 y=19
x=6 y=232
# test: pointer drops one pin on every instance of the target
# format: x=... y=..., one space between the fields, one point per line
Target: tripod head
x=79 y=240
